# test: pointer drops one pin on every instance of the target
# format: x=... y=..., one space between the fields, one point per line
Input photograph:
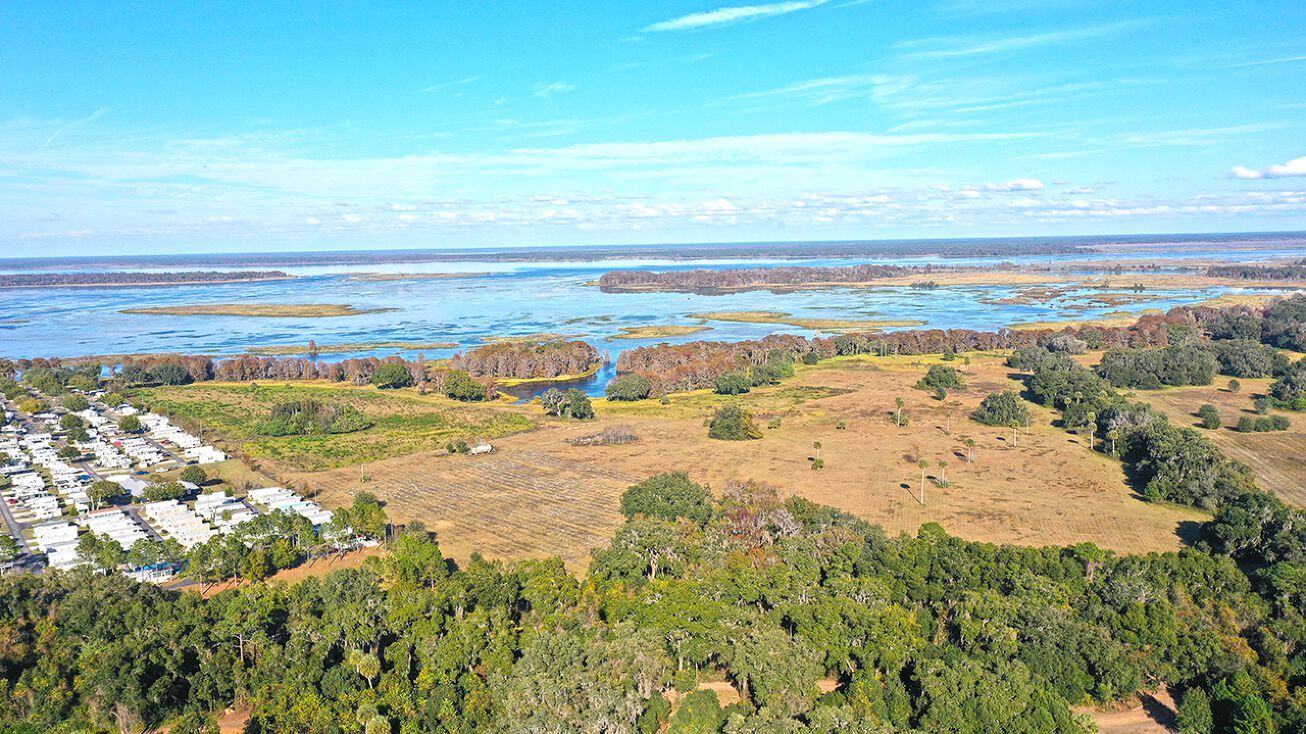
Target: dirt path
x=1154 y=713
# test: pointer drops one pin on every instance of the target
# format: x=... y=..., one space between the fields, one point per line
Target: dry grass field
x=538 y=494
x=1278 y=458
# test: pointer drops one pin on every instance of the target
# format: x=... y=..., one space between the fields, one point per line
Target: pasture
x=403 y=422
x=540 y=494
x=1277 y=458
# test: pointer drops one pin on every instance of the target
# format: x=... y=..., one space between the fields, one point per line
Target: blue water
x=513 y=298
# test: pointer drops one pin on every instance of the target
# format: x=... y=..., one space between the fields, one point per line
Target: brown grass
x=539 y=495
x=816 y=324
x=273 y=350
x=657 y=332
x=1277 y=458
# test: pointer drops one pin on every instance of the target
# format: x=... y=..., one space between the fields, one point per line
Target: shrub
x=732 y=383
x=459 y=385
x=76 y=403
x=571 y=403
x=810 y=358
x=941 y=377
x=1065 y=344
x=629 y=388
x=194 y=475
x=311 y=418
x=1210 y=416
x=69 y=421
x=391 y=375
x=130 y=424
x=1002 y=409
x=732 y=423
x=1235 y=386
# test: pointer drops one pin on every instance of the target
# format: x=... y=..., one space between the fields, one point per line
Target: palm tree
x=1114 y=435
x=817 y=445
x=970 y=451
x=899 y=402
x=943 y=473
x=1092 y=430
x=923 y=464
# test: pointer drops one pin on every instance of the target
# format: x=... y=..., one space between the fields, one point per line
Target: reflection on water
x=591 y=385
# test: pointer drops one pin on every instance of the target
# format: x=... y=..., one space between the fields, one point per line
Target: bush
x=130 y=424
x=76 y=403
x=392 y=375
x=941 y=377
x=667 y=497
x=1002 y=409
x=460 y=386
x=1264 y=424
x=629 y=388
x=732 y=423
x=311 y=418
x=194 y=475
x=570 y=403
x=1210 y=417
x=732 y=383
x=69 y=421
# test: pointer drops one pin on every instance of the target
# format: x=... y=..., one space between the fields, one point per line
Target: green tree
x=194 y=474
x=460 y=386
x=102 y=491
x=1195 y=713
x=628 y=388
x=392 y=375
x=1004 y=409
x=732 y=423
x=129 y=424
x=1210 y=416
x=668 y=497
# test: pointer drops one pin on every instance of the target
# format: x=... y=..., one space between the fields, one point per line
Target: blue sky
x=199 y=126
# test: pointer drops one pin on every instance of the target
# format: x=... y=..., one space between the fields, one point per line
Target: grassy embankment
x=403 y=421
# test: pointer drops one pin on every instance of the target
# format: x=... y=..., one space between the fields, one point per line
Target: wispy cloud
x=89 y=118
x=733 y=14
x=1263 y=62
x=1293 y=168
x=686 y=59
x=545 y=90
x=446 y=85
x=1188 y=137
x=954 y=47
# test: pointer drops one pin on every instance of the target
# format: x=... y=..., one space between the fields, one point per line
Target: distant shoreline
x=129 y=280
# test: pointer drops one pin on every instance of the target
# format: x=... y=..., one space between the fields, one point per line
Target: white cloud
x=735 y=14
x=1019 y=184
x=545 y=90
x=446 y=85
x=1294 y=167
x=960 y=47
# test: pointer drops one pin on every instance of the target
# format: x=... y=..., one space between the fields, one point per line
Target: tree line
x=781 y=599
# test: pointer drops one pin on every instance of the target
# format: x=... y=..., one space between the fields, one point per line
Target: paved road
x=15 y=527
